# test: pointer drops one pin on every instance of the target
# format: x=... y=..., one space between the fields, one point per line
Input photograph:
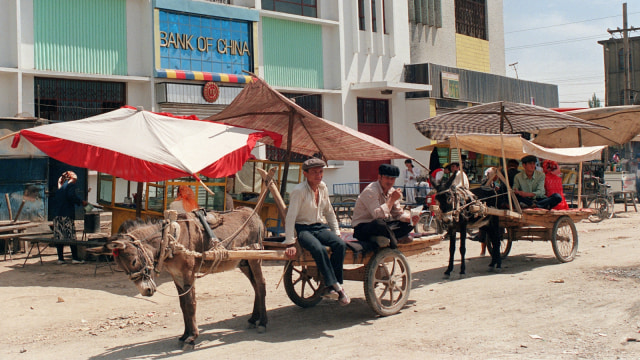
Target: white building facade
x=348 y=61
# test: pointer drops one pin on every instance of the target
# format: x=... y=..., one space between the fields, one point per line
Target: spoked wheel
x=387 y=282
x=428 y=224
x=505 y=245
x=303 y=285
x=602 y=209
x=564 y=239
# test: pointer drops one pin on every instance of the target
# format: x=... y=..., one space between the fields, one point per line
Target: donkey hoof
x=188 y=346
x=261 y=329
x=251 y=325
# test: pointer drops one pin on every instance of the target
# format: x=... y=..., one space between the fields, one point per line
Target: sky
x=556 y=42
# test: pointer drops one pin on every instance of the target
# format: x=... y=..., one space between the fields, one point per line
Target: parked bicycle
x=598 y=198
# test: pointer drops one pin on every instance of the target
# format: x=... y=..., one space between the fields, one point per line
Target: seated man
x=309 y=205
x=528 y=185
x=378 y=210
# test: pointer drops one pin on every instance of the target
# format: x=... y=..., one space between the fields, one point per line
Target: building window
x=621 y=61
x=426 y=12
x=373 y=111
x=296 y=7
x=374 y=25
x=65 y=100
x=311 y=103
x=361 y=15
x=471 y=18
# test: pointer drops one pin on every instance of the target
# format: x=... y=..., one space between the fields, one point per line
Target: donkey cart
x=557 y=226
x=384 y=272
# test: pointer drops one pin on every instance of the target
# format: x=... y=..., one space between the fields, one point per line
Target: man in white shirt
x=309 y=206
x=458 y=177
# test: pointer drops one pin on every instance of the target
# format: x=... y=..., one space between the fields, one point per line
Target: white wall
x=8 y=44
x=8 y=94
x=140 y=46
x=496 y=37
x=435 y=45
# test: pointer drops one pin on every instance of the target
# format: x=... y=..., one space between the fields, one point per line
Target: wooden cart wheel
x=505 y=245
x=564 y=239
x=303 y=285
x=387 y=281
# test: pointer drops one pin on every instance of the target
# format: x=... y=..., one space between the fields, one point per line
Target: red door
x=373 y=119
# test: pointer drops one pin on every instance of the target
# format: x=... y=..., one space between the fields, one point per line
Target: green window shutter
x=438 y=13
x=425 y=11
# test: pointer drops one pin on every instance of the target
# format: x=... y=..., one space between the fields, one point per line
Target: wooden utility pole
x=625 y=52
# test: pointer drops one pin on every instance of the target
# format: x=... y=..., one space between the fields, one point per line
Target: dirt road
x=536 y=308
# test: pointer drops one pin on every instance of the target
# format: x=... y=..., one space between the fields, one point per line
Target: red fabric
x=553 y=185
x=102 y=160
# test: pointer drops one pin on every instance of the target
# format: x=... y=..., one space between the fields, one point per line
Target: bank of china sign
x=194 y=42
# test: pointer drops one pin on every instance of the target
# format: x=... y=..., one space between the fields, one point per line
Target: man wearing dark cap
x=457 y=177
x=528 y=185
x=309 y=205
x=378 y=211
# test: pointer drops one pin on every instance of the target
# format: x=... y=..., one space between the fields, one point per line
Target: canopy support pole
x=580 y=171
x=287 y=159
x=9 y=135
x=504 y=166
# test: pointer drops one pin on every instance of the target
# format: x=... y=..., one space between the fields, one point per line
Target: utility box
x=620 y=181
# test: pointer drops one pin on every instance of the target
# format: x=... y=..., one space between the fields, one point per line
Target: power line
x=570 y=23
x=557 y=42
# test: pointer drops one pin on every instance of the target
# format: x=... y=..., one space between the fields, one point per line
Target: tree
x=594 y=101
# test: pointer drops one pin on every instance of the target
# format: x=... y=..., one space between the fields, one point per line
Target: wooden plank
x=9 y=228
x=503 y=213
x=10 y=222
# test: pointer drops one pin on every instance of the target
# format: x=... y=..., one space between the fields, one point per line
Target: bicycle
x=602 y=203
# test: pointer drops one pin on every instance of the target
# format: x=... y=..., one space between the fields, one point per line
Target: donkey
x=140 y=248
x=460 y=208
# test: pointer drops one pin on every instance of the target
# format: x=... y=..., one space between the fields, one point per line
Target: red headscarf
x=189 y=202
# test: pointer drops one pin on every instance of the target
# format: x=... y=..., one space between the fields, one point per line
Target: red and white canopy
x=139 y=145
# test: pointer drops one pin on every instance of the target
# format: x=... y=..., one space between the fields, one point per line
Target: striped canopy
x=261 y=107
x=498 y=117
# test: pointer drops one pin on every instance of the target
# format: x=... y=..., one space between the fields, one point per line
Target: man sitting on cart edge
x=528 y=185
x=309 y=205
x=378 y=211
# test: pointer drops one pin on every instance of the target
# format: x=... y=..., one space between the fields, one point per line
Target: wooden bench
x=47 y=239
x=627 y=196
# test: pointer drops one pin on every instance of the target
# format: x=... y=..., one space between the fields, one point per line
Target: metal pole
x=625 y=44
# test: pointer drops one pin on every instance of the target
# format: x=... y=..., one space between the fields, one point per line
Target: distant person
x=512 y=170
x=410 y=180
x=457 y=177
x=64 y=228
x=528 y=185
x=185 y=200
x=378 y=210
x=228 y=199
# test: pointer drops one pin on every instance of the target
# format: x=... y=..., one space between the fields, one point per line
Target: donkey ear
x=117 y=244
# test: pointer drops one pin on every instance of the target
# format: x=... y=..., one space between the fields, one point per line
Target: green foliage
x=594 y=101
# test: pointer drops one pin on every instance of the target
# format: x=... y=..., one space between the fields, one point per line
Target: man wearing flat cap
x=378 y=210
x=309 y=206
x=528 y=185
